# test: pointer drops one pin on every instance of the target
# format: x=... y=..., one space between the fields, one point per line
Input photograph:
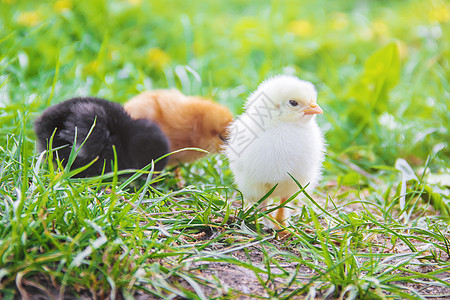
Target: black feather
x=137 y=142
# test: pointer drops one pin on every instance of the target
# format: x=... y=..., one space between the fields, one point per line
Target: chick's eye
x=293 y=103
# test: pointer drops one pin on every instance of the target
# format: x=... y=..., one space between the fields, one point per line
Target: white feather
x=271 y=140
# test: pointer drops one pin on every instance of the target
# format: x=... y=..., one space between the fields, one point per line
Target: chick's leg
x=280 y=216
x=180 y=181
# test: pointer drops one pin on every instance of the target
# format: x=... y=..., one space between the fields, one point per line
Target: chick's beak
x=313 y=109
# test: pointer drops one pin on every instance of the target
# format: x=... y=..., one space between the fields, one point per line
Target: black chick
x=137 y=142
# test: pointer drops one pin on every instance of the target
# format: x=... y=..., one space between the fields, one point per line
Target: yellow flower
x=339 y=21
x=92 y=67
x=157 y=57
x=62 y=5
x=301 y=28
x=380 y=28
x=402 y=49
x=135 y=2
x=29 y=18
x=440 y=13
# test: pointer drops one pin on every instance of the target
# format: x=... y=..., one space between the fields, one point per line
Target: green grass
x=382 y=72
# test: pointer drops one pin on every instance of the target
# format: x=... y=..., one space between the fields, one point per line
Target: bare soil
x=235 y=282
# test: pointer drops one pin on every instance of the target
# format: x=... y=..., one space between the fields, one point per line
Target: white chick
x=277 y=135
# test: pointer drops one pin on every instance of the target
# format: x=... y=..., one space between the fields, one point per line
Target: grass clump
x=376 y=228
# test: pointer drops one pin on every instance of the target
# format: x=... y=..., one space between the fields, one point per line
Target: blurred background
x=381 y=67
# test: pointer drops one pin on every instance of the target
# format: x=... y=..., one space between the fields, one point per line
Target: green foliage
x=371 y=91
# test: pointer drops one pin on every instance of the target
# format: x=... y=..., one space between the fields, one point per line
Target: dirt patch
x=233 y=281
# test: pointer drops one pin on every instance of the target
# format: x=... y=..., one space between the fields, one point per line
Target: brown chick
x=188 y=121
